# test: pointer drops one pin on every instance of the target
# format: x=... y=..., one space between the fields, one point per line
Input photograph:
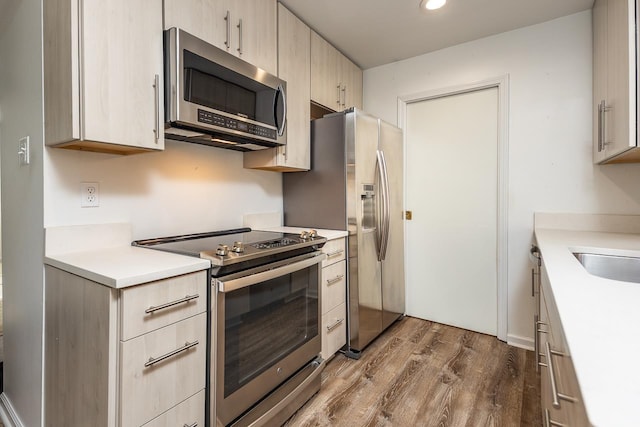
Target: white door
x=452 y=191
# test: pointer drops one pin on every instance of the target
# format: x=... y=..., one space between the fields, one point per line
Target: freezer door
x=365 y=296
x=393 y=291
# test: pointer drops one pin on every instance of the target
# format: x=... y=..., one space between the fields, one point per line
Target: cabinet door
x=121 y=95
x=325 y=79
x=614 y=78
x=204 y=19
x=294 y=66
x=254 y=39
x=620 y=129
x=599 y=75
x=354 y=88
x=351 y=81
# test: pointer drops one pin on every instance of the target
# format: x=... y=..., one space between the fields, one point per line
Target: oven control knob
x=313 y=234
x=304 y=235
x=222 y=250
x=238 y=247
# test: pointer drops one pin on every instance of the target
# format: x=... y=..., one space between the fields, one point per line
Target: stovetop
x=235 y=246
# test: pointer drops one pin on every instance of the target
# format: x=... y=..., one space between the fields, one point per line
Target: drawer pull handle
x=335 y=325
x=335 y=253
x=536 y=341
x=335 y=279
x=555 y=395
x=187 y=345
x=171 y=304
x=192 y=425
x=548 y=422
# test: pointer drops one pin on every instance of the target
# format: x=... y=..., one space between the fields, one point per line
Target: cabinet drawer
x=335 y=251
x=153 y=305
x=188 y=413
x=334 y=288
x=178 y=373
x=334 y=331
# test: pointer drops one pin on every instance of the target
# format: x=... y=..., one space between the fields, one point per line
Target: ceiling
x=376 y=32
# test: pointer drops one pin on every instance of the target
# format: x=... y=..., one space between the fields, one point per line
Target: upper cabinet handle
x=156 y=88
x=240 y=36
x=602 y=130
x=227 y=18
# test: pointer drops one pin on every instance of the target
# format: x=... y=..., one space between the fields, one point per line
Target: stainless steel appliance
x=264 y=321
x=356 y=184
x=214 y=98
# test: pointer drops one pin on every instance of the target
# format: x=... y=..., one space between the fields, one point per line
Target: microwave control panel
x=228 y=123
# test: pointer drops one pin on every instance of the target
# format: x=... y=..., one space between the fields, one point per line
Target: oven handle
x=252 y=279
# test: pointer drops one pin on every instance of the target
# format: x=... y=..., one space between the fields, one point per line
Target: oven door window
x=267 y=321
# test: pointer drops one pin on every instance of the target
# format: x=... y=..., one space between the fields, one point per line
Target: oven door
x=268 y=328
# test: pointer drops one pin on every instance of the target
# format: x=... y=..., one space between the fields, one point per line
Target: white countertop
x=122 y=266
x=600 y=319
x=329 y=234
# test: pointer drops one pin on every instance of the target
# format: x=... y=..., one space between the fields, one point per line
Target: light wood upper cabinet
x=244 y=28
x=614 y=82
x=325 y=77
x=352 y=85
x=336 y=82
x=204 y=19
x=294 y=66
x=103 y=75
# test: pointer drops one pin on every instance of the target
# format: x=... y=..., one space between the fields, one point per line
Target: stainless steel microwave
x=217 y=99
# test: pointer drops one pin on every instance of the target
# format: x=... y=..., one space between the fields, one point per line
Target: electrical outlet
x=89 y=194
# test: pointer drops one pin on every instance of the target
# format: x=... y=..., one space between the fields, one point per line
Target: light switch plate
x=24 y=154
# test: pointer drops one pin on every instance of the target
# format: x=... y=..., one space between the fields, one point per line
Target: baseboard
x=522 y=342
x=7 y=414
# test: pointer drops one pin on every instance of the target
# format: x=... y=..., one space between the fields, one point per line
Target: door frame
x=502 y=84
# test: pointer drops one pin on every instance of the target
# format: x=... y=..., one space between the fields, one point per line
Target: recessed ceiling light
x=432 y=4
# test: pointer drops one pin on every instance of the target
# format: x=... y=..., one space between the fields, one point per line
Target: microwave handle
x=280 y=95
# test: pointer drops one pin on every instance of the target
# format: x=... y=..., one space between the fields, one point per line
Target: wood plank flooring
x=421 y=373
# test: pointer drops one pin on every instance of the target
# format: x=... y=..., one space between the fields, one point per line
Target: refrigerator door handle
x=384 y=181
x=379 y=201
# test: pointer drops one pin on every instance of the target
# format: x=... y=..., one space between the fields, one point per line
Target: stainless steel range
x=264 y=323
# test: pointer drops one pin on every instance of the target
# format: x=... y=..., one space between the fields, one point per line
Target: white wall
x=22 y=203
x=185 y=188
x=550 y=169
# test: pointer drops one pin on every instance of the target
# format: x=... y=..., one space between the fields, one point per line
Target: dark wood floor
x=422 y=373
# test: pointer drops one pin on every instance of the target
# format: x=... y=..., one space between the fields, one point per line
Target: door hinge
x=408 y=215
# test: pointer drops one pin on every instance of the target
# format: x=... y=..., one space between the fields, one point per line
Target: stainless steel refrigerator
x=356 y=184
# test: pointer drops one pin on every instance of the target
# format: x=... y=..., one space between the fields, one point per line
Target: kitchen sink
x=623 y=268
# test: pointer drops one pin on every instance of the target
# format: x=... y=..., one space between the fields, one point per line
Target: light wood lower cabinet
x=188 y=413
x=161 y=368
x=561 y=400
x=334 y=292
x=105 y=367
